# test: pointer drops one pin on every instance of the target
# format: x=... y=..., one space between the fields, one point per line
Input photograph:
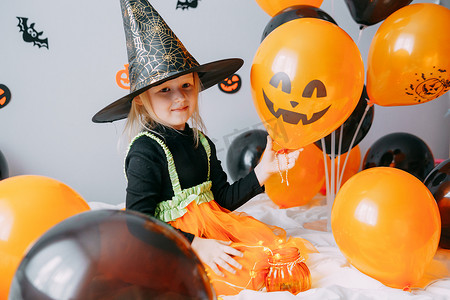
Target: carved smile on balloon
x=292 y=117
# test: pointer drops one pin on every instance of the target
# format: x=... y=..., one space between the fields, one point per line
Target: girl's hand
x=271 y=162
x=216 y=253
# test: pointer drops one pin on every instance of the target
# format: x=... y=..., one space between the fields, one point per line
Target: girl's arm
x=231 y=196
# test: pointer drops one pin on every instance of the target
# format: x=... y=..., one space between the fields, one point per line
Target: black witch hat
x=156 y=55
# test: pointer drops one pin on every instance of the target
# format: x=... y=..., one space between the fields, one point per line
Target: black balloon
x=438 y=182
x=293 y=13
x=370 y=12
x=4 y=170
x=349 y=127
x=245 y=151
x=111 y=254
x=401 y=150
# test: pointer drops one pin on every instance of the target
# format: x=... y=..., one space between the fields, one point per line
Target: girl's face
x=174 y=101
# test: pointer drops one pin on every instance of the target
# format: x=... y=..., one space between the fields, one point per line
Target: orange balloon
x=29 y=206
x=305 y=180
x=351 y=168
x=387 y=224
x=409 y=57
x=307 y=77
x=273 y=7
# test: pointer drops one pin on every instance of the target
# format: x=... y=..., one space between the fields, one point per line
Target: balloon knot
x=407 y=289
x=369 y=102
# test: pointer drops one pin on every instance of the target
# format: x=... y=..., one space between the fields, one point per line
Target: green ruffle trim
x=170 y=162
x=175 y=208
x=170 y=210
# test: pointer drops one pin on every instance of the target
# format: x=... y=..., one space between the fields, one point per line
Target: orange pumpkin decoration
x=122 y=78
x=306 y=87
x=5 y=95
x=230 y=85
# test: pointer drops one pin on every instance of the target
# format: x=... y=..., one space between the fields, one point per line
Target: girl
x=172 y=169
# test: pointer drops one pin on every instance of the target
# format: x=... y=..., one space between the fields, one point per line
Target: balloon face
x=386 y=223
x=430 y=88
x=291 y=116
x=305 y=87
x=409 y=61
x=111 y=254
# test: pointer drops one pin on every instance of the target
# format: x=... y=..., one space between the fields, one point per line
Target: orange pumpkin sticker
x=309 y=84
x=122 y=78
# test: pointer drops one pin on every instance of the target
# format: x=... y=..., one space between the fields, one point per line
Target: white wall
x=47 y=129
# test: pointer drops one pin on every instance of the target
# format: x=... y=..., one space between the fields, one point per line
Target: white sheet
x=331 y=274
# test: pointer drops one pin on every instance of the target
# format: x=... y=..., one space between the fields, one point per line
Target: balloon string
x=333 y=181
x=287 y=180
x=353 y=141
x=282 y=151
x=333 y=171
x=341 y=133
x=361 y=28
x=327 y=181
x=327 y=185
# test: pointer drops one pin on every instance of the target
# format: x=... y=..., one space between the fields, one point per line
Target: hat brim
x=209 y=74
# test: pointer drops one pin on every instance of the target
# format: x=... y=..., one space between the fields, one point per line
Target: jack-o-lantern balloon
x=409 y=56
x=307 y=77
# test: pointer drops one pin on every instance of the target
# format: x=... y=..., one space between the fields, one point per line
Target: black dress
x=149 y=183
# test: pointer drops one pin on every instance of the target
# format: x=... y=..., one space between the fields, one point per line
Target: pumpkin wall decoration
x=230 y=85
x=5 y=95
x=305 y=87
x=122 y=78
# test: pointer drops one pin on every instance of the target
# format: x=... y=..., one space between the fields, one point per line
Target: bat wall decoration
x=187 y=4
x=31 y=35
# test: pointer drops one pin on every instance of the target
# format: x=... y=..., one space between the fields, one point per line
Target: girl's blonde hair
x=142 y=117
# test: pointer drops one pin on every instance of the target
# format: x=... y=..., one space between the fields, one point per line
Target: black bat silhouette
x=186 y=4
x=30 y=34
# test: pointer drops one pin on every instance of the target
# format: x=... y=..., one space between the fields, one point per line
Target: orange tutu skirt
x=253 y=238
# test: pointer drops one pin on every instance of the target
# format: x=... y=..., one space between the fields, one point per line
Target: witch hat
x=156 y=55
